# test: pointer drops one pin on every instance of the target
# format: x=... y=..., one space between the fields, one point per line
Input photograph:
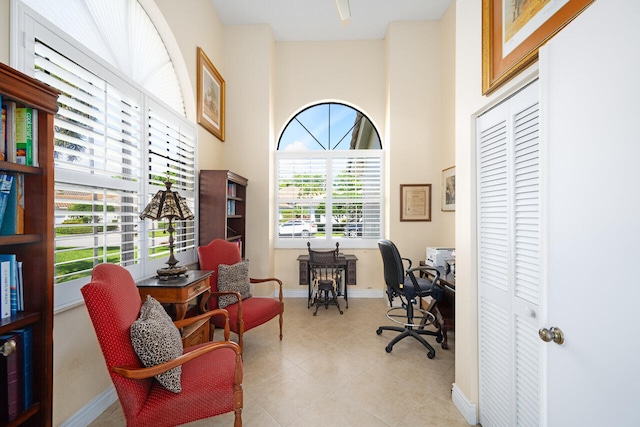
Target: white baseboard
x=466 y=408
x=92 y=410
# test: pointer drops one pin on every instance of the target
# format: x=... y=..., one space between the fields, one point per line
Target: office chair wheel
x=439 y=339
x=431 y=354
x=388 y=349
x=379 y=331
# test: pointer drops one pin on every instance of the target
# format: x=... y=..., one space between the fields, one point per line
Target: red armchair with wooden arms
x=245 y=314
x=211 y=373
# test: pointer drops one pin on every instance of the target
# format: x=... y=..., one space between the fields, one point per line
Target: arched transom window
x=329 y=178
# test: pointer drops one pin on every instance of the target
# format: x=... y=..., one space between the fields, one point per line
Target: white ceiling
x=305 y=20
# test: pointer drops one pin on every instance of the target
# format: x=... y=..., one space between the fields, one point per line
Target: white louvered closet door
x=509 y=261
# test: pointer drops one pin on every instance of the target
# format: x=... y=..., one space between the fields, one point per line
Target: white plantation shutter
x=357 y=189
x=327 y=187
x=509 y=270
x=172 y=144
x=115 y=144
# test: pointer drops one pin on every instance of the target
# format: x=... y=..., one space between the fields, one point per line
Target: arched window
x=120 y=131
x=329 y=173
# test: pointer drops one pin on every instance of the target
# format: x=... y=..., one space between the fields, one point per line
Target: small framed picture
x=449 y=189
x=211 y=95
x=415 y=202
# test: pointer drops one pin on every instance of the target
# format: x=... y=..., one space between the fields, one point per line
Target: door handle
x=554 y=334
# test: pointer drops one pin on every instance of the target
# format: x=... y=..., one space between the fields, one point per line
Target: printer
x=436 y=257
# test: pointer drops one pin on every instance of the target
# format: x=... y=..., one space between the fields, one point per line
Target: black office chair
x=403 y=284
x=325 y=278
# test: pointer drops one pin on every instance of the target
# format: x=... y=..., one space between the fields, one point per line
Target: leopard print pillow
x=156 y=340
x=233 y=278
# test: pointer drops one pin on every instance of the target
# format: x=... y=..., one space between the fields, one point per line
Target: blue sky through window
x=326 y=126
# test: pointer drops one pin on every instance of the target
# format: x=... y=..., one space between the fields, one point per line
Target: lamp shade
x=167 y=204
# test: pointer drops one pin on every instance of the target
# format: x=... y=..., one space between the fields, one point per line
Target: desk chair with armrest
x=403 y=284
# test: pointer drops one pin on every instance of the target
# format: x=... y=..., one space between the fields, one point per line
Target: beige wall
x=310 y=72
x=4 y=34
x=404 y=84
x=247 y=150
x=397 y=83
x=469 y=102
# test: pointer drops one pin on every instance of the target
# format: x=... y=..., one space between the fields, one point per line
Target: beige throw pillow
x=233 y=278
x=156 y=340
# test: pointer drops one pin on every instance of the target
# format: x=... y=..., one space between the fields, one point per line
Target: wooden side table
x=179 y=293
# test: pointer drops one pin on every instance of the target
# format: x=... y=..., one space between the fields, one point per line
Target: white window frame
x=315 y=160
x=26 y=26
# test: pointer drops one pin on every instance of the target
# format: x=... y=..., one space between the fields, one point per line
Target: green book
x=24 y=136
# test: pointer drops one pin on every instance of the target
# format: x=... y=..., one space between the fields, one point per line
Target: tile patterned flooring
x=333 y=370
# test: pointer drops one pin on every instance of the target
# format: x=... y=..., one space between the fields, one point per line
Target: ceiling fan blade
x=343 y=9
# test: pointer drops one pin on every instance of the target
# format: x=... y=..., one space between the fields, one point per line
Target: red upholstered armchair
x=245 y=314
x=211 y=376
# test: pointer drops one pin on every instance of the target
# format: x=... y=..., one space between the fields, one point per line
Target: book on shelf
x=10 y=376
x=5 y=289
x=24 y=135
x=6 y=182
x=20 y=288
x=9 y=280
x=231 y=189
x=26 y=336
x=231 y=207
x=8 y=205
x=34 y=138
x=3 y=131
x=19 y=178
x=10 y=130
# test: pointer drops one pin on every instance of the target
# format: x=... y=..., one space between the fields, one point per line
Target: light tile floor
x=333 y=370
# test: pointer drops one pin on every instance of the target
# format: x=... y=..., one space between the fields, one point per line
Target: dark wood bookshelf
x=35 y=248
x=218 y=189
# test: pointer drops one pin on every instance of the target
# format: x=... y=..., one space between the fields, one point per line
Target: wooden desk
x=178 y=293
x=445 y=309
x=347 y=262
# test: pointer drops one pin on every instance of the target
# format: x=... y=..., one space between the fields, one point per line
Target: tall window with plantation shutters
x=329 y=177
x=115 y=146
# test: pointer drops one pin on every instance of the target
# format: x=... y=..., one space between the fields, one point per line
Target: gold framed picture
x=415 y=202
x=449 y=189
x=211 y=96
x=514 y=30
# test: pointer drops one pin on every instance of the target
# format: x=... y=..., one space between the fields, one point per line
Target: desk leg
x=181 y=310
x=346 y=297
x=443 y=327
x=204 y=298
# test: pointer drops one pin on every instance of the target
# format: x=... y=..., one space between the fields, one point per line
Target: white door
x=590 y=74
x=509 y=261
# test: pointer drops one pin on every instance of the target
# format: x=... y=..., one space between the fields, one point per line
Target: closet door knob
x=554 y=334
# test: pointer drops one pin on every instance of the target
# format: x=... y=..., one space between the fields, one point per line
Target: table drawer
x=196 y=288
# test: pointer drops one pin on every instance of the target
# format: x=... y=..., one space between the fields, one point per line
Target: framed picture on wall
x=514 y=30
x=449 y=189
x=211 y=96
x=415 y=202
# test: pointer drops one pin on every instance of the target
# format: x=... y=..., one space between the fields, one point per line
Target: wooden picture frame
x=512 y=36
x=211 y=96
x=415 y=202
x=449 y=189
